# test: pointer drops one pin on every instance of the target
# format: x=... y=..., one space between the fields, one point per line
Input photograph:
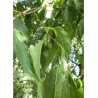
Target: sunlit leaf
x=23 y=55
x=35 y=52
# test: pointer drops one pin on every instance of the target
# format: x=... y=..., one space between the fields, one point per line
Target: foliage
x=48 y=46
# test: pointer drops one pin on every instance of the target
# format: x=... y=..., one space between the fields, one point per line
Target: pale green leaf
x=35 y=52
x=63 y=66
x=23 y=55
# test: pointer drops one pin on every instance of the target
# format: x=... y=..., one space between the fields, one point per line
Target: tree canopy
x=48 y=46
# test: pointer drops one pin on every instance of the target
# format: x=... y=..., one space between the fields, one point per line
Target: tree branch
x=26 y=12
x=45 y=29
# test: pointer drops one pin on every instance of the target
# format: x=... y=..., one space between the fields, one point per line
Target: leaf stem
x=46 y=30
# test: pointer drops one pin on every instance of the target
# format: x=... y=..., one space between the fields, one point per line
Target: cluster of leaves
x=49 y=33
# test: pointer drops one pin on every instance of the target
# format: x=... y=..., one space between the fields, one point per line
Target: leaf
x=70 y=32
x=20 y=7
x=71 y=15
x=63 y=90
x=14 y=52
x=78 y=2
x=67 y=89
x=51 y=81
x=35 y=52
x=54 y=24
x=80 y=93
x=51 y=55
x=63 y=66
x=41 y=14
x=62 y=38
x=81 y=23
x=23 y=55
x=19 y=25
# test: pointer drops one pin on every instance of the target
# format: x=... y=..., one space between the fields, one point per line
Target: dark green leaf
x=41 y=14
x=81 y=23
x=71 y=15
x=62 y=38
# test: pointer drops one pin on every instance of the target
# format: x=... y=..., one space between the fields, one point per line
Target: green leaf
x=71 y=15
x=41 y=14
x=14 y=52
x=51 y=55
x=19 y=7
x=67 y=89
x=35 y=52
x=63 y=66
x=40 y=90
x=80 y=93
x=51 y=81
x=78 y=2
x=19 y=25
x=63 y=90
x=35 y=24
x=54 y=24
x=23 y=55
x=70 y=32
x=28 y=22
x=81 y=23
x=62 y=38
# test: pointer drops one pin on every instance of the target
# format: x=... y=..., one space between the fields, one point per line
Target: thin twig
x=80 y=42
x=45 y=29
x=24 y=12
x=81 y=13
x=74 y=62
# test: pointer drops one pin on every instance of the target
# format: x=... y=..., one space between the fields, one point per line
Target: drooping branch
x=46 y=30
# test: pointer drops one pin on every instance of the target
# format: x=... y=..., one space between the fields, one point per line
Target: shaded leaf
x=71 y=15
x=62 y=38
x=63 y=90
x=41 y=14
x=51 y=81
x=81 y=23
x=23 y=55
x=51 y=55
x=19 y=25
